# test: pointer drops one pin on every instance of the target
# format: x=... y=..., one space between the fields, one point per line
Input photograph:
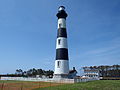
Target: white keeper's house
x=91 y=72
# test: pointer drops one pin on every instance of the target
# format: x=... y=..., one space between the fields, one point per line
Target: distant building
x=72 y=73
x=91 y=72
x=102 y=71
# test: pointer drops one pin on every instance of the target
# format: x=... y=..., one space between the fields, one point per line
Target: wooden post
x=3 y=86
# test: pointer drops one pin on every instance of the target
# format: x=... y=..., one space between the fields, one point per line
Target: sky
x=28 y=31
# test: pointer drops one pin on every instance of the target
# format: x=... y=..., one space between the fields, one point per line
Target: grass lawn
x=13 y=81
x=24 y=85
x=93 y=85
x=9 y=81
x=17 y=85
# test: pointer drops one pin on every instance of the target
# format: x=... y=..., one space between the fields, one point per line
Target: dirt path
x=26 y=85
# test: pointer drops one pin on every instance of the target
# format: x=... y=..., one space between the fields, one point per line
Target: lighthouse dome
x=61 y=8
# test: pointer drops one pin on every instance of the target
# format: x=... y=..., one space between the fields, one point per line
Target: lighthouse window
x=60 y=25
x=58 y=64
x=59 y=40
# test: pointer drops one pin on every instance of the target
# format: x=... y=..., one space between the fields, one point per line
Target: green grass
x=8 y=81
x=93 y=85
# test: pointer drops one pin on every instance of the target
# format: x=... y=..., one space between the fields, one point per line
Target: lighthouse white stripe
x=61 y=23
x=61 y=43
x=63 y=67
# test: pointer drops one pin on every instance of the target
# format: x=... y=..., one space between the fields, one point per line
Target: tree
x=19 y=72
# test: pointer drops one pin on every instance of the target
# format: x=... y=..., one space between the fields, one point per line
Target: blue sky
x=28 y=30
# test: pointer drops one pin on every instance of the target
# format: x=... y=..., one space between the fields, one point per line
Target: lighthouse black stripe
x=62 y=54
x=62 y=32
x=62 y=14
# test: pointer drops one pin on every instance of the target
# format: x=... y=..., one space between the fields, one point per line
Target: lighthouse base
x=60 y=76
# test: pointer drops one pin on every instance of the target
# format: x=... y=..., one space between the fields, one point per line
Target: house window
x=58 y=64
x=59 y=40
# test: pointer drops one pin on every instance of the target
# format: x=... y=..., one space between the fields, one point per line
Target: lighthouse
x=61 y=60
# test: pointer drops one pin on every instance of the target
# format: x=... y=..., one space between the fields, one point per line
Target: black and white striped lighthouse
x=62 y=60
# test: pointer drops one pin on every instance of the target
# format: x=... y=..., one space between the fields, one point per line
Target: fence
x=50 y=80
x=84 y=79
x=22 y=83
